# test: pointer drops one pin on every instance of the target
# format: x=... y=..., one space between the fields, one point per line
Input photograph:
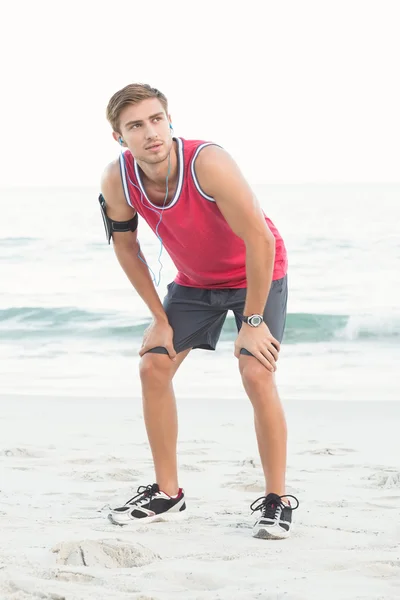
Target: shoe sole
x=265 y=534
x=163 y=518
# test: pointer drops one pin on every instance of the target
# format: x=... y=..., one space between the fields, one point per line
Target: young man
x=229 y=256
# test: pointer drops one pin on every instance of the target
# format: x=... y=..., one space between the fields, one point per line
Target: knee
x=254 y=375
x=155 y=369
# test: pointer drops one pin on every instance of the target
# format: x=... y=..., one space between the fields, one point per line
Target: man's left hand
x=260 y=342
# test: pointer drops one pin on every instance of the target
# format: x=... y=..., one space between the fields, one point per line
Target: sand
x=65 y=460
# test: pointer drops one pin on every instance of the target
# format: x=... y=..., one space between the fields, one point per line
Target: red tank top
x=197 y=237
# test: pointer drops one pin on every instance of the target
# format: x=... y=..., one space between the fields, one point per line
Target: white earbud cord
x=156 y=281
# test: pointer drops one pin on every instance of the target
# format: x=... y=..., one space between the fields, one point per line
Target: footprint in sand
x=21 y=468
x=384 y=569
x=329 y=451
x=195 y=452
x=250 y=462
x=392 y=498
x=27 y=590
x=22 y=452
x=81 y=461
x=242 y=484
x=191 y=468
x=97 y=475
x=386 y=480
x=109 y=553
x=72 y=576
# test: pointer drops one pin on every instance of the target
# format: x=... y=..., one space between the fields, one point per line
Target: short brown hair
x=131 y=94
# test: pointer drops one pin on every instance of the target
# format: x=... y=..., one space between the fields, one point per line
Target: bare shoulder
x=213 y=156
x=220 y=177
x=113 y=193
x=111 y=184
x=215 y=168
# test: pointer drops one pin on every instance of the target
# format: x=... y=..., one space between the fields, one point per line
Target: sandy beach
x=64 y=460
x=302 y=96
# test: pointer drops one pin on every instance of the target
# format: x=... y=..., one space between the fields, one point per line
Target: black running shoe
x=275 y=522
x=150 y=504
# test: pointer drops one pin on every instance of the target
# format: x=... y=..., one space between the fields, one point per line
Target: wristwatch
x=253 y=320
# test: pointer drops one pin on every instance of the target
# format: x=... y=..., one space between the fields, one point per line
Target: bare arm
x=220 y=178
x=126 y=245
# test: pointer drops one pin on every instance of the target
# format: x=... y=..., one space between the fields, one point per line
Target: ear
x=116 y=137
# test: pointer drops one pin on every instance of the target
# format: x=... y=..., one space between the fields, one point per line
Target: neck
x=157 y=173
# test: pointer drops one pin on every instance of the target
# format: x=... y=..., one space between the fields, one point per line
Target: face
x=145 y=130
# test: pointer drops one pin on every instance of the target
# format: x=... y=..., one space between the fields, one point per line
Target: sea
x=71 y=324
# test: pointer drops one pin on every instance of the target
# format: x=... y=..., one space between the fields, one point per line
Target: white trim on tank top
x=196 y=183
x=122 y=168
x=180 y=179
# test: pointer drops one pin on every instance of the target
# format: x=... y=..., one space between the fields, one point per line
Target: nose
x=150 y=132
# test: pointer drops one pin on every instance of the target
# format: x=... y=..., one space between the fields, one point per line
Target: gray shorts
x=197 y=315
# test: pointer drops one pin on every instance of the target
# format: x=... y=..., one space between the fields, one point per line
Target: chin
x=158 y=158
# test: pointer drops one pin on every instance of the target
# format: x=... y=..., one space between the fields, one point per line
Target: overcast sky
x=297 y=91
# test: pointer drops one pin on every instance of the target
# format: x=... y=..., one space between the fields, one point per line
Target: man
x=229 y=256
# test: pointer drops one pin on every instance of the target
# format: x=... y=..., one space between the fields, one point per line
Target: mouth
x=155 y=146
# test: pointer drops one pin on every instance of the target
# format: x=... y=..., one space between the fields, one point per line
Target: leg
x=269 y=419
x=196 y=324
x=259 y=383
x=159 y=409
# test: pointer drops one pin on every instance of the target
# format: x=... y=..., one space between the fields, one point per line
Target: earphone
x=158 y=213
x=156 y=281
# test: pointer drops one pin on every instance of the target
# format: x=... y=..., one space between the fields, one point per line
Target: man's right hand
x=159 y=333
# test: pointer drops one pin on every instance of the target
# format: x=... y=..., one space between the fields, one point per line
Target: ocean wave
x=16 y=241
x=34 y=323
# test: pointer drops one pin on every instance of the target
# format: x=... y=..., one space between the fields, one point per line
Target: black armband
x=111 y=225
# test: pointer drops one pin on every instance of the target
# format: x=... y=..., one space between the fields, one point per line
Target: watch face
x=255 y=320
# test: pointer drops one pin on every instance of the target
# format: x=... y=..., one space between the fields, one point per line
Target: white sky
x=297 y=91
